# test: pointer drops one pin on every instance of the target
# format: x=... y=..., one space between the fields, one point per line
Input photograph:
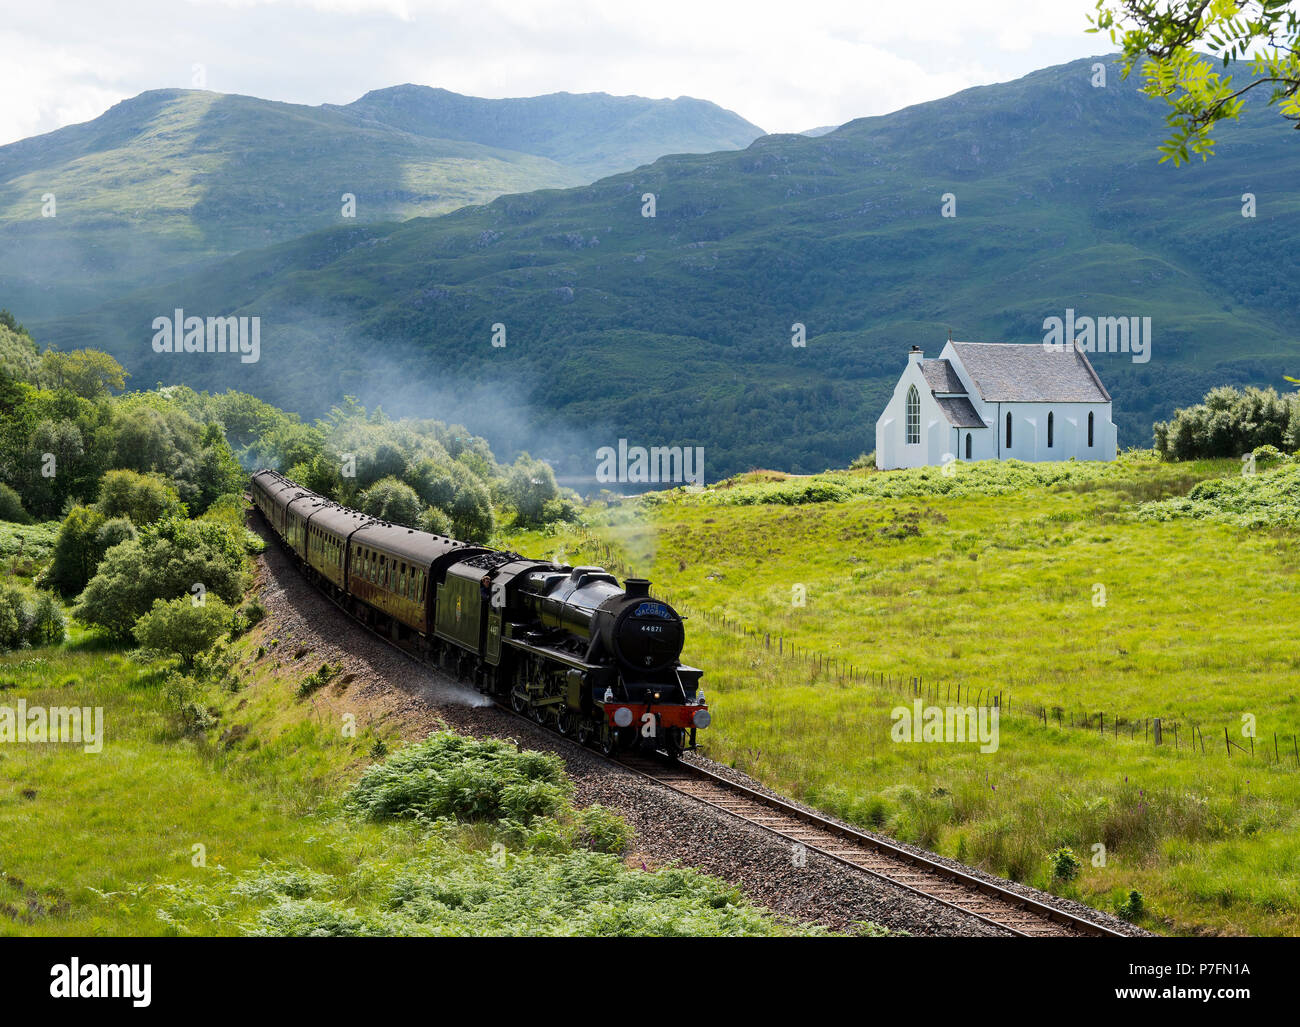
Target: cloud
x=784 y=67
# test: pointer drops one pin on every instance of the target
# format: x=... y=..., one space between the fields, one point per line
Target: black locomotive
x=568 y=646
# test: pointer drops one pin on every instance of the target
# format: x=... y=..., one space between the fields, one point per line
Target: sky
x=784 y=66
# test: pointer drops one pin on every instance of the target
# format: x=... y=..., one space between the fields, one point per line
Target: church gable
x=995 y=401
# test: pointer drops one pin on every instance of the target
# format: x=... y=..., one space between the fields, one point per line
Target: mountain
x=172 y=180
x=593 y=133
x=677 y=329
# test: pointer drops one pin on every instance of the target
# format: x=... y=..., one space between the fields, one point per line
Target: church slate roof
x=960 y=412
x=1028 y=373
x=941 y=376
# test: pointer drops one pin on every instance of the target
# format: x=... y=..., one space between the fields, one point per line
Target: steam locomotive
x=565 y=645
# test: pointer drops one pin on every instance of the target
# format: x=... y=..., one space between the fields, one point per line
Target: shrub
x=47 y=624
x=1131 y=907
x=1269 y=456
x=1230 y=422
x=462 y=778
x=1266 y=499
x=29 y=620
x=318 y=679
x=603 y=830
x=183 y=703
x=247 y=617
x=1064 y=863
x=182 y=626
x=11 y=506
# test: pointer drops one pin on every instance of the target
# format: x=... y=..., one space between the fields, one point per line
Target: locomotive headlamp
x=702 y=718
x=658 y=695
x=622 y=716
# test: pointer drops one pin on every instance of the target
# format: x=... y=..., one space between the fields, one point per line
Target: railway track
x=975 y=896
x=964 y=892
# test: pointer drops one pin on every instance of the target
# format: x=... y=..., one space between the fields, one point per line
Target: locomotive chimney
x=637 y=587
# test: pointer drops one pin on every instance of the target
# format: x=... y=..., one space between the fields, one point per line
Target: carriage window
x=401 y=582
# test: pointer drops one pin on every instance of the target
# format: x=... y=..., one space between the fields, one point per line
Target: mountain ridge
x=677 y=329
x=173 y=179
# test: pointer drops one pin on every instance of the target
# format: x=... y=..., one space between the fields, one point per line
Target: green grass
x=253 y=829
x=992 y=589
x=24 y=546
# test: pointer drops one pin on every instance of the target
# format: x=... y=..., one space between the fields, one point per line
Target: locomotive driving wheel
x=565 y=722
x=585 y=731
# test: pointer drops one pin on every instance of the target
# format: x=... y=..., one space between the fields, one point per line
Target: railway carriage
x=567 y=646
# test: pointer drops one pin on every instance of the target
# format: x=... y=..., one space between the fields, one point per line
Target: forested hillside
x=677 y=329
x=174 y=179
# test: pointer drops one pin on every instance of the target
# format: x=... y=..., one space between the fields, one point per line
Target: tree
x=164 y=562
x=86 y=372
x=9 y=321
x=76 y=551
x=391 y=500
x=11 y=618
x=219 y=473
x=435 y=522
x=528 y=487
x=58 y=445
x=11 y=506
x=471 y=513
x=183 y=627
x=143 y=498
x=1163 y=36
x=320 y=474
x=436 y=482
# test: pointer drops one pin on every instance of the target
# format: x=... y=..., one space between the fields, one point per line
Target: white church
x=996 y=401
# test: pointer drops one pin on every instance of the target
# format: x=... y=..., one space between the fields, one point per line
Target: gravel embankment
x=412 y=699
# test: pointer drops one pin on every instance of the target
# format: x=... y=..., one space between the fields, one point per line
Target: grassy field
x=988 y=581
x=254 y=827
